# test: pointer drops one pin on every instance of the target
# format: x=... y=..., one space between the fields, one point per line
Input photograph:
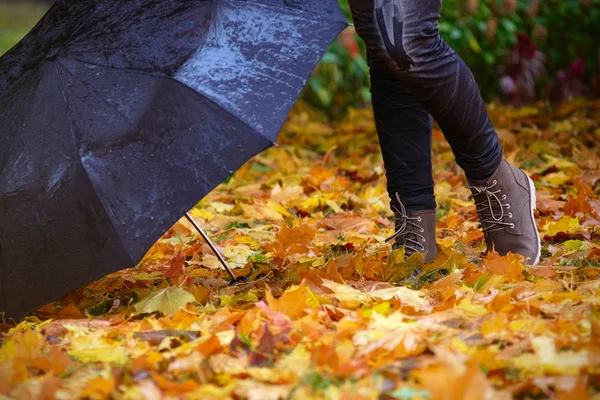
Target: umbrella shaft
x=210 y=243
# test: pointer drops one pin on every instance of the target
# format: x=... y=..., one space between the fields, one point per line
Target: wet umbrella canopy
x=116 y=117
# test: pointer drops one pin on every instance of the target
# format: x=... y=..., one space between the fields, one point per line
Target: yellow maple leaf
x=557 y=178
x=565 y=224
x=468 y=305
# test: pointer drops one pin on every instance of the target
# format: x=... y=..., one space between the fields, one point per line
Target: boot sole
x=533 y=204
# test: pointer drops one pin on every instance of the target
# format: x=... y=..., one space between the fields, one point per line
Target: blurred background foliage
x=16 y=19
x=518 y=50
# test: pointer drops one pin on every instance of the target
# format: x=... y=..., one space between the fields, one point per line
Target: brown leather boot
x=414 y=230
x=505 y=203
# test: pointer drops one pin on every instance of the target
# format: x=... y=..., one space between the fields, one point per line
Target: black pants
x=415 y=75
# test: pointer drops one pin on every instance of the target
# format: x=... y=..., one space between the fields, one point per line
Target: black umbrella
x=116 y=117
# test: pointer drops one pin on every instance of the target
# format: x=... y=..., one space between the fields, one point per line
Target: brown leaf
x=176 y=266
x=264 y=353
x=347 y=222
x=543 y=272
x=156 y=337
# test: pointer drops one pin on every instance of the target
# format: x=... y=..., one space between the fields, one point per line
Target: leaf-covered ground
x=329 y=312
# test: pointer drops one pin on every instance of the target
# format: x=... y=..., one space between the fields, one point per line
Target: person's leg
x=442 y=82
x=403 y=125
x=404 y=130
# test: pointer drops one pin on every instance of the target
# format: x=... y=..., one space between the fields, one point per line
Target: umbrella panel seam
x=73 y=134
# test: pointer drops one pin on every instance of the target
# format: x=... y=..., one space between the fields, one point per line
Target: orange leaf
x=291 y=303
x=57 y=362
x=174 y=387
x=331 y=273
x=50 y=385
x=443 y=383
x=210 y=346
x=70 y=311
x=19 y=372
x=145 y=362
x=292 y=240
x=5 y=386
x=99 y=388
x=502 y=302
x=578 y=392
x=579 y=204
x=508 y=266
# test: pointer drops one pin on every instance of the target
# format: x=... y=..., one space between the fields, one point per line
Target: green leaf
x=474 y=45
x=406 y=393
x=509 y=25
x=167 y=301
x=573 y=245
x=324 y=97
x=260 y=167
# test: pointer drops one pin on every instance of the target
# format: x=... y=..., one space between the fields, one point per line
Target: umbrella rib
x=259 y=133
x=32 y=89
x=74 y=136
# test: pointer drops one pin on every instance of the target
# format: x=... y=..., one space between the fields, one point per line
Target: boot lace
x=491 y=205
x=408 y=232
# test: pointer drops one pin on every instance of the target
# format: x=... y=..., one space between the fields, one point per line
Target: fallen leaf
x=166 y=301
x=176 y=266
x=565 y=224
x=99 y=388
x=406 y=296
x=292 y=303
x=508 y=266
